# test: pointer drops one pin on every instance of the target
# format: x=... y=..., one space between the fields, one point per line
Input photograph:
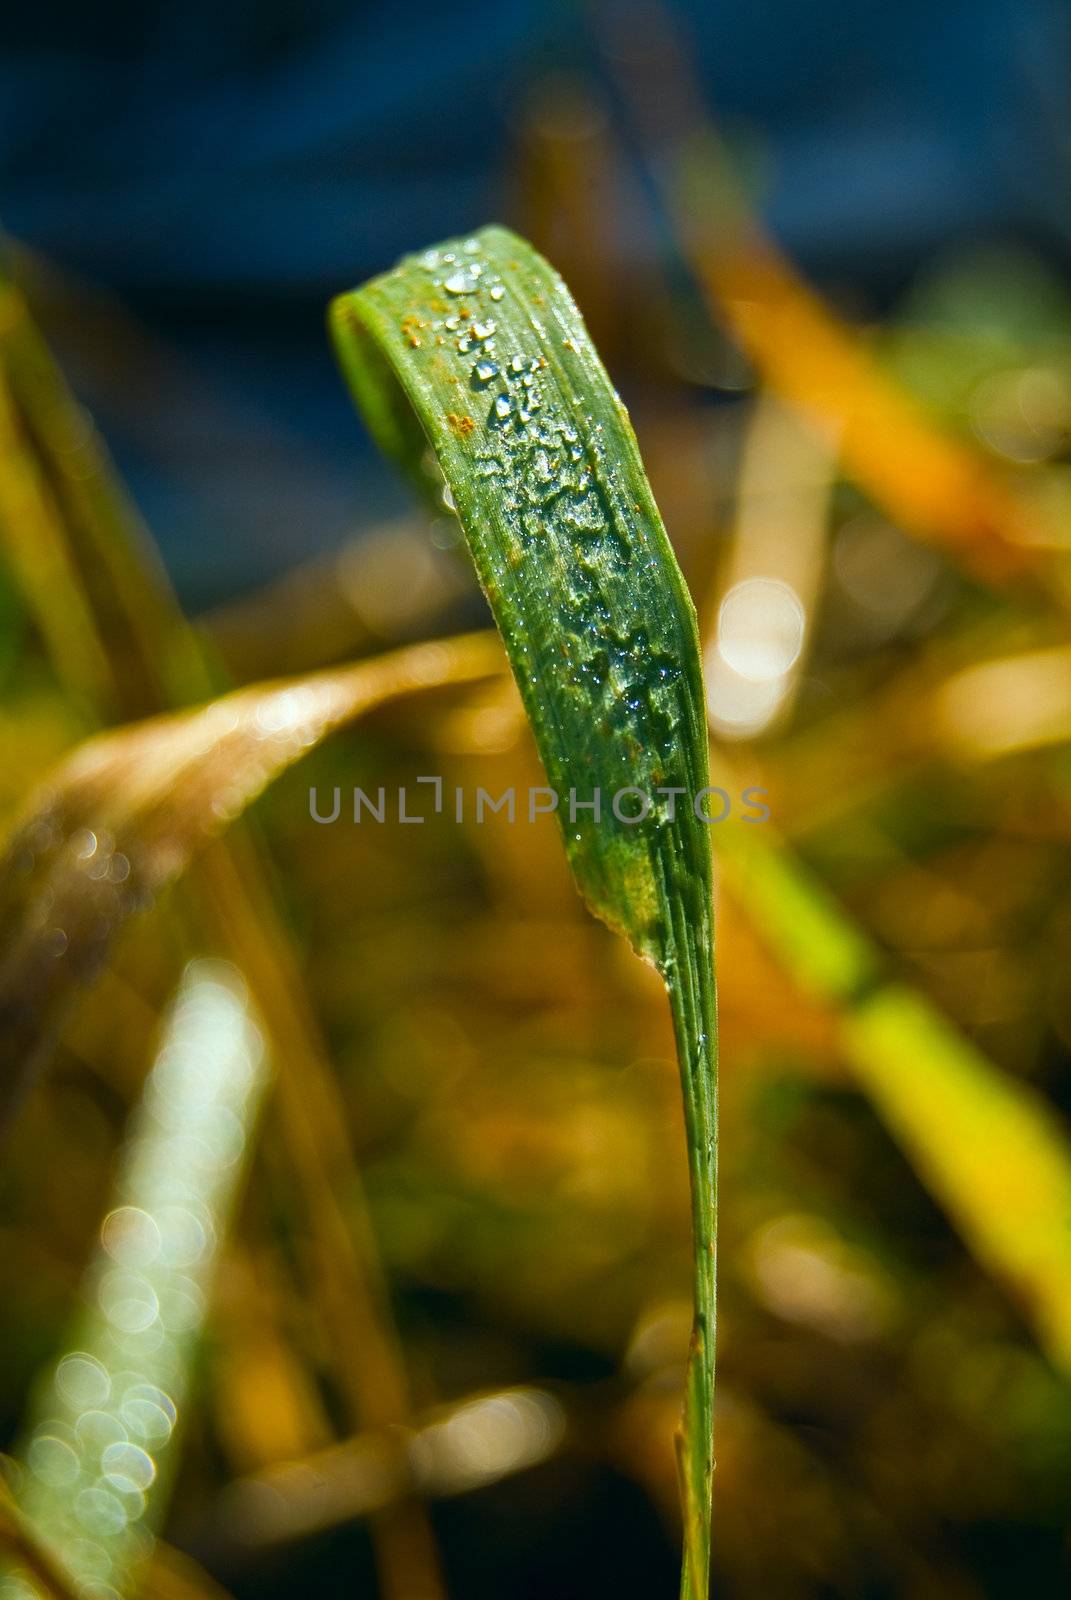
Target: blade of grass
x=990 y=1149
x=476 y=351
x=153 y=660
x=292 y=1499
x=129 y=810
x=41 y=560
x=99 y=1460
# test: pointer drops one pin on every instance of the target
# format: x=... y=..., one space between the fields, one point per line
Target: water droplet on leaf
x=460 y=283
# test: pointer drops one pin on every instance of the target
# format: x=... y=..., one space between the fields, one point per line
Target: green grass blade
x=990 y=1148
x=100 y=1455
x=476 y=349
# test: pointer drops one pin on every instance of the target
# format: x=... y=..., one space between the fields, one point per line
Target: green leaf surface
x=474 y=370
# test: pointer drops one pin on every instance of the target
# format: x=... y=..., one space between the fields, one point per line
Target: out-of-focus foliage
x=894 y=1413
x=100 y=1456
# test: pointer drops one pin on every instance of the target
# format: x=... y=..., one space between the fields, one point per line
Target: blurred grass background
x=824 y=253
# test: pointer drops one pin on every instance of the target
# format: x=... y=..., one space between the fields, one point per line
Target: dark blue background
x=222 y=169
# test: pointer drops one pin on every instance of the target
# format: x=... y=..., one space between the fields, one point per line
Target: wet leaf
x=128 y=810
x=474 y=370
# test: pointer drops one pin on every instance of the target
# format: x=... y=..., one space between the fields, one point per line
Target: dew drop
x=503 y=406
x=147 y=1420
x=128 y=1301
x=100 y=1512
x=82 y=1381
x=130 y=1236
x=482 y=330
x=485 y=370
x=126 y=1466
x=96 y=1430
x=460 y=283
